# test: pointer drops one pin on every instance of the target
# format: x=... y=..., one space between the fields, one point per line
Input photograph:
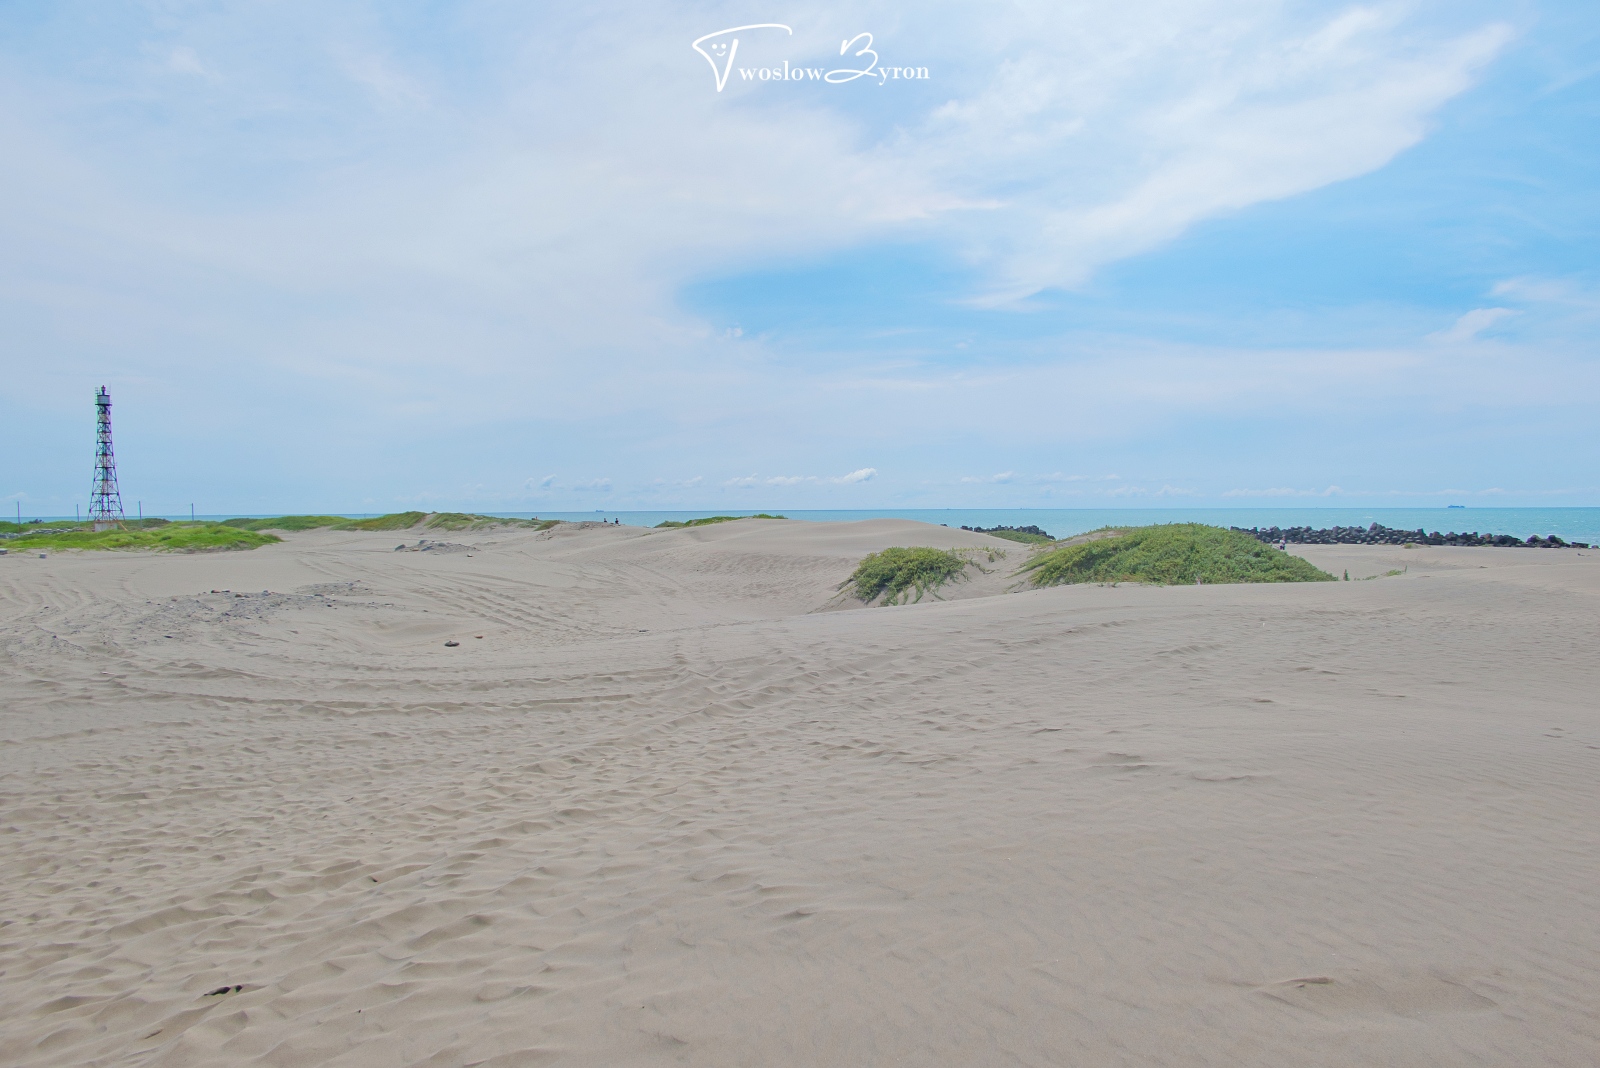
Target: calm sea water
x=1573 y=524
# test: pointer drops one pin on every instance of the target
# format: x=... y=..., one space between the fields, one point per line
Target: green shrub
x=168 y=537
x=670 y=523
x=1021 y=536
x=392 y=521
x=1028 y=535
x=8 y=527
x=288 y=522
x=1172 y=554
x=897 y=570
x=460 y=521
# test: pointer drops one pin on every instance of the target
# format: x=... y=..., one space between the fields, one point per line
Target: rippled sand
x=656 y=808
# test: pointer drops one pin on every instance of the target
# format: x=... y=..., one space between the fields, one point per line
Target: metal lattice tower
x=105 y=504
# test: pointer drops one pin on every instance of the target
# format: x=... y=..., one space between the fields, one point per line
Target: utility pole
x=105 y=504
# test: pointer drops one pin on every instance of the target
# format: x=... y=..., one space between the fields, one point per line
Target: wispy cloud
x=482 y=232
x=1284 y=491
x=1379 y=494
x=383 y=78
x=1561 y=291
x=1167 y=490
x=864 y=474
x=185 y=60
x=1470 y=325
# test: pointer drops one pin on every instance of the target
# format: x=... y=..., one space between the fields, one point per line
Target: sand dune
x=659 y=806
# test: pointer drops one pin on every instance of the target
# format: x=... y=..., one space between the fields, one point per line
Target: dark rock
x=1376 y=534
x=1030 y=529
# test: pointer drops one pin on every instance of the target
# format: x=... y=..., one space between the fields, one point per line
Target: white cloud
x=1062 y=137
x=1166 y=490
x=384 y=80
x=1549 y=291
x=1470 y=325
x=1335 y=491
x=865 y=474
x=502 y=244
x=1054 y=478
x=185 y=60
x=749 y=481
x=1114 y=139
x=1282 y=491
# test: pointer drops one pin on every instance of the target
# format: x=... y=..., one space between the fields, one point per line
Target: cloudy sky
x=496 y=256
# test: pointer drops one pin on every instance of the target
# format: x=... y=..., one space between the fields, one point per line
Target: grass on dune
x=472 y=521
x=165 y=536
x=1171 y=554
x=670 y=523
x=8 y=527
x=896 y=573
x=288 y=522
x=1028 y=535
x=1023 y=536
x=235 y=533
x=392 y=521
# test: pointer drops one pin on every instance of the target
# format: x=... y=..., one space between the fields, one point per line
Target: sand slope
x=666 y=811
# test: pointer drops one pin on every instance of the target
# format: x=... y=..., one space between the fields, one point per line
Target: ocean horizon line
x=1568 y=521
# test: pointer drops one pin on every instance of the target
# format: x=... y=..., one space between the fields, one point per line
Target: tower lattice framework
x=105 y=504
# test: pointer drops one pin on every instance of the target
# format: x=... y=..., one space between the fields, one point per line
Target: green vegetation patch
x=1028 y=535
x=392 y=521
x=1172 y=554
x=897 y=572
x=7 y=527
x=165 y=537
x=1022 y=536
x=714 y=519
x=288 y=522
x=472 y=521
x=461 y=521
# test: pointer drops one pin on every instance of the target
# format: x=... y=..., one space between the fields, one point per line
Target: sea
x=1570 y=524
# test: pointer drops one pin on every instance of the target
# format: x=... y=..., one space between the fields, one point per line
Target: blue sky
x=481 y=255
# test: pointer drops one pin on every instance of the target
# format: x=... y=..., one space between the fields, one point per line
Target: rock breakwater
x=1377 y=534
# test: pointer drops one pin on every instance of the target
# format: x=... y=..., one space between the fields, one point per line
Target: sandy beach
x=670 y=801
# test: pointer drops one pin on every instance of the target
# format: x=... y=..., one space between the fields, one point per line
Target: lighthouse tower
x=105 y=504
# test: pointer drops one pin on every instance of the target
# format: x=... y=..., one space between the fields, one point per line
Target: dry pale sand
x=664 y=811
